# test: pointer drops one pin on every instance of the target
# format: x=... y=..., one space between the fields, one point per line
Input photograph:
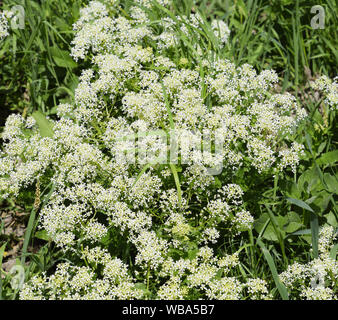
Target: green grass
x=37 y=72
x=278 y=34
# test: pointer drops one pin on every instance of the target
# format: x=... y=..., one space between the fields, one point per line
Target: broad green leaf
x=321 y=147
x=331 y=219
x=331 y=182
x=192 y=253
x=328 y=158
x=300 y=204
x=42 y=234
x=294 y=222
x=293 y=217
x=322 y=201
x=293 y=226
x=62 y=58
x=309 y=180
x=308 y=140
x=45 y=126
x=269 y=233
x=294 y=191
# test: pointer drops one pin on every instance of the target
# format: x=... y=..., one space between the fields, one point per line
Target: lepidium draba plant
x=138 y=219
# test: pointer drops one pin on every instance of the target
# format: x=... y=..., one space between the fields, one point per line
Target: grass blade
x=300 y=203
x=278 y=232
x=314 y=233
x=172 y=125
x=177 y=182
x=2 y=251
x=28 y=234
x=280 y=286
x=31 y=223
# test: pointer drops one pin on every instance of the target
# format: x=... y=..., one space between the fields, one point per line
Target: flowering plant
x=138 y=217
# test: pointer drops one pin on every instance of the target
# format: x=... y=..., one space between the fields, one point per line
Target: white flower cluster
x=209 y=275
x=318 y=279
x=4 y=27
x=70 y=282
x=156 y=210
x=329 y=88
x=257 y=288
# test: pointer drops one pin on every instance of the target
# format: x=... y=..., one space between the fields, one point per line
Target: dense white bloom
x=329 y=88
x=258 y=289
x=73 y=283
x=4 y=27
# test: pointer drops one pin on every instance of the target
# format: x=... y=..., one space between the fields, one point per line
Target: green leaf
x=321 y=147
x=2 y=251
x=333 y=251
x=280 y=286
x=45 y=126
x=308 y=140
x=294 y=191
x=293 y=226
x=309 y=180
x=269 y=231
x=177 y=182
x=28 y=233
x=300 y=204
x=62 y=58
x=141 y=286
x=42 y=234
x=314 y=234
x=30 y=225
x=302 y=232
x=331 y=182
x=294 y=222
x=321 y=201
x=328 y=158
x=293 y=217
x=331 y=219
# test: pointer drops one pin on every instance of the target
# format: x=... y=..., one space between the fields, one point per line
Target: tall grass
x=278 y=34
x=36 y=69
